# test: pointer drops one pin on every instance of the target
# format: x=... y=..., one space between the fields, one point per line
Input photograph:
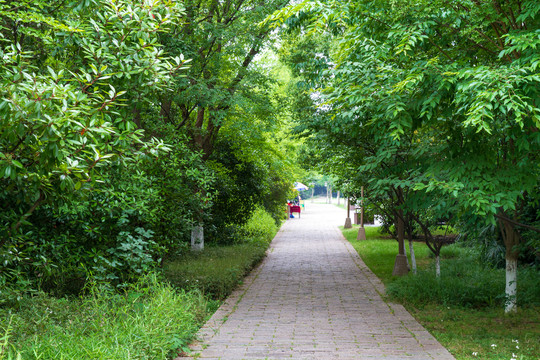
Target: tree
x=61 y=123
x=222 y=38
x=468 y=73
x=71 y=73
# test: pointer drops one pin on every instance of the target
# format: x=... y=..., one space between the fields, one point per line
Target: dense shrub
x=240 y=187
x=114 y=233
x=245 y=181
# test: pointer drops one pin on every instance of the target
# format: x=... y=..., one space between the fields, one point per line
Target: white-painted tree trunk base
x=197 y=238
x=413 y=257
x=406 y=258
x=511 y=286
x=438 y=266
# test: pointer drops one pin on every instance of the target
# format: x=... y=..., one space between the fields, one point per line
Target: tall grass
x=151 y=320
x=464 y=283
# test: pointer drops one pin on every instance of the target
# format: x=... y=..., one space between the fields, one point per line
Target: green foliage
x=86 y=192
x=62 y=122
x=222 y=87
x=260 y=228
x=246 y=181
x=151 y=320
x=433 y=107
x=185 y=192
x=117 y=231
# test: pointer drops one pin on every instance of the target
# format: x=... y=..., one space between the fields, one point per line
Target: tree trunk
x=511 y=239
x=511 y=285
x=438 y=266
x=411 y=252
x=137 y=116
x=400 y=266
x=348 y=224
x=406 y=257
x=165 y=111
x=400 y=228
x=410 y=233
x=327 y=187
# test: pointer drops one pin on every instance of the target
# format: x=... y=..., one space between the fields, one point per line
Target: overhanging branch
x=516 y=223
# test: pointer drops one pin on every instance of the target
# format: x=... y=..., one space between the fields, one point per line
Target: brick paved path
x=313 y=298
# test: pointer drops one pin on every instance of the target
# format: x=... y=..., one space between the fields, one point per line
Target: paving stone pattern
x=313 y=298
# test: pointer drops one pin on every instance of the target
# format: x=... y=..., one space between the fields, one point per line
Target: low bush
x=260 y=228
x=150 y=320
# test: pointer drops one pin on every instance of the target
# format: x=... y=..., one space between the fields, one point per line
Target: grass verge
x=216 y=271
x=463 y=309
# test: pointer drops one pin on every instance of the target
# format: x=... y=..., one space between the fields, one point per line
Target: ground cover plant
x=464 y=308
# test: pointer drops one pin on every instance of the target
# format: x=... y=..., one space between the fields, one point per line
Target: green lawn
x=216 y=270
x=467 y=332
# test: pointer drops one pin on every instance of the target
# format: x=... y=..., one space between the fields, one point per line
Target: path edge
x=424 y=338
